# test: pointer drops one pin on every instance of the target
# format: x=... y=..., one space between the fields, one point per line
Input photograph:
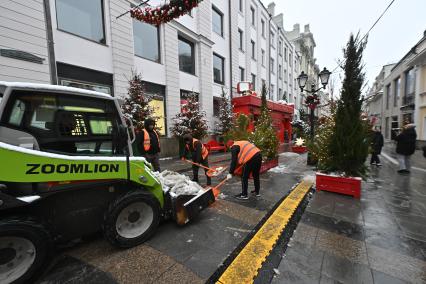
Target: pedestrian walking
x=405 y=147
x=376 y=147
x=424 y=151
x=200 y=155
x=247 y=156
x=148 y=144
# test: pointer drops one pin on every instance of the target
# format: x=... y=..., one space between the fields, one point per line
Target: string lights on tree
x=164 y=13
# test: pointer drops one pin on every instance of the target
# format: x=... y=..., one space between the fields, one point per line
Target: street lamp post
x=312 y=100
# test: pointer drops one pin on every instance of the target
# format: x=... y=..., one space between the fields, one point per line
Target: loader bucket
x=187 y=207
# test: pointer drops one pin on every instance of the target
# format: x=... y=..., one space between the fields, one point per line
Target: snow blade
x=198 y=203
x=187 y=207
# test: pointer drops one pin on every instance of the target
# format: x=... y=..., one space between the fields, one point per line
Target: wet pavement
x=380 y=238
x=187 y=254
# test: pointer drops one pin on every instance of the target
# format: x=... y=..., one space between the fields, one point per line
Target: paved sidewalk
x=380 y=238
x=417 y=159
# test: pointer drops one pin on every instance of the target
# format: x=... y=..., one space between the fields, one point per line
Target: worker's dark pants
x=195 y=168
x=252 y=166
x=154 y=159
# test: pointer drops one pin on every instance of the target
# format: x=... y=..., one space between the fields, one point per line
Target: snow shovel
x=211 y=172
x=216 y=189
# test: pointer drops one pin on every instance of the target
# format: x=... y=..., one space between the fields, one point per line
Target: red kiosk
x=249 y=104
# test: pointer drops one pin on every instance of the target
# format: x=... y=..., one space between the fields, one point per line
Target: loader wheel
x=25 y=250
x=131 y=219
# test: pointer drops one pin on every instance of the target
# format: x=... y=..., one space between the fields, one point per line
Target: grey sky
x=331 y=22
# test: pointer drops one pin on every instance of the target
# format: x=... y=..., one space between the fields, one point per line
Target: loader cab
x=61 y=122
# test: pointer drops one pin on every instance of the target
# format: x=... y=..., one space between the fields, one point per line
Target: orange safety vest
x=147 y=140
x=204 y=151
x=247 y=151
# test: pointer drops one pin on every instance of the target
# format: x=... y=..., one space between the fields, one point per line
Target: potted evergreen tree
x=264 y=135
x=345 y=147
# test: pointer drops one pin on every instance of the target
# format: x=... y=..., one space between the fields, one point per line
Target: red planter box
x=268 y=165
x=342 y=185
x=299 y=149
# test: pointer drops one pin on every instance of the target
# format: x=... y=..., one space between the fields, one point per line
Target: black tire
x=19 y=234
x=119 y=231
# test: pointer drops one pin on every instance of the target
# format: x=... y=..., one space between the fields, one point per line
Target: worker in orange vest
x=148 y=144
x=200 y=155
x=246 y=156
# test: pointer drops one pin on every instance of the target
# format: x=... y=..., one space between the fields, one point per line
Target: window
x=285 y=54
x=271 y=91
x=253 y=50
x=409 y=87
x=272 y=61
x=186 y=56
x=241 y=34
x=253 y=16
x=280 y=70
x=280 y=48
x=77 y=125
x=83 y=18
x=263 y=57
x=253 y=81
x=218 y=68
x=216 y=106
x=396 y=91
x=240 y=5
x=387 y=96
x=158 y=94
x=263 y=82
x=146 y=40
x=262 y=22
x=280 y=91
x=272 y=39
x=290 y=56
x=217 y=21
x=242 y=73
x=285 y=75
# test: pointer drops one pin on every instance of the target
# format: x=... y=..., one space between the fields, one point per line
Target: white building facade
x=86 y=44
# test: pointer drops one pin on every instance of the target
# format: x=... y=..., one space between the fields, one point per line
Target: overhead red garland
x=164 y=13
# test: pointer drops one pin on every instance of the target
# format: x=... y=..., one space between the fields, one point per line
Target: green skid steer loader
x=67 y=171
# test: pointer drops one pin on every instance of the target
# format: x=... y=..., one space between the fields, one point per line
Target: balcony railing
x=408 y=100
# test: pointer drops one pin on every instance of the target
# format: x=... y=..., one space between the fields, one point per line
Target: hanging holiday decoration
x=164 y=13
x=312 y=101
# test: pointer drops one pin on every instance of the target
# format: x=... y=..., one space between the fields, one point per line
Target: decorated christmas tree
x=264 y=135
x=348 y=146
x=190 y=120
x=136 y=106
x=226 y=116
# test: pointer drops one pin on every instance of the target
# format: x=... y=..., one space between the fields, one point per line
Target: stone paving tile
x=345 y=271
x=397 y=265
x=178 y=274
x=305 y=234
x=397 y=243
x=341 y=246
x=69 y=270
x=414 y=227
x=125 y=265
x=332 y=224
x=239 y=212
x=301 y=264
x=382 y=278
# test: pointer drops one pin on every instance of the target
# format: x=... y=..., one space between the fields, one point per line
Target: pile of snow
x=178 y=184
x=278 y=169
x=289 y=154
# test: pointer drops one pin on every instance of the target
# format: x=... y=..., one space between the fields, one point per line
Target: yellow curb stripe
x=246 y=265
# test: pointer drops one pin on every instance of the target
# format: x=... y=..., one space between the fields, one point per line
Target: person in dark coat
x=199 y=154
x=148 y=144
x=376 y=147
x=405 y=147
